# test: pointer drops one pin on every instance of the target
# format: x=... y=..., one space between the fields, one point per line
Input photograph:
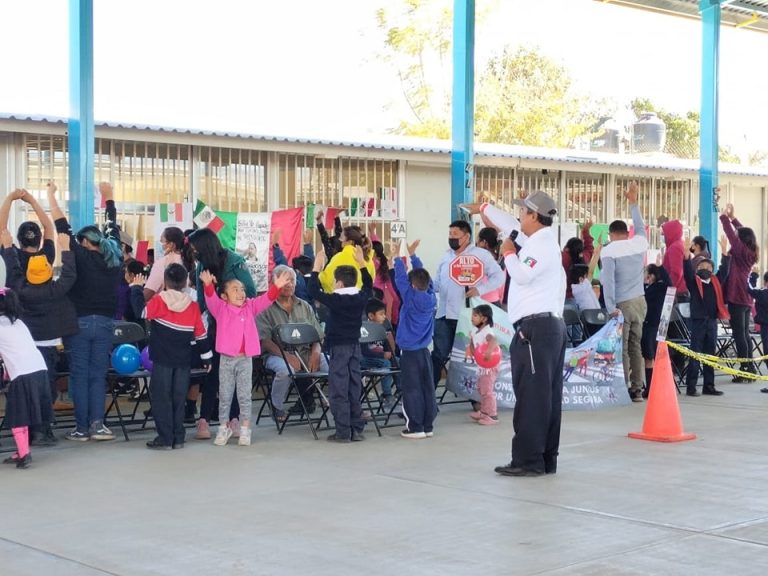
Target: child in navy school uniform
x=414 y=333
x=342 y=338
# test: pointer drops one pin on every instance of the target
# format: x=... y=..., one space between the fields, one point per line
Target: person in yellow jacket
x=351 y=236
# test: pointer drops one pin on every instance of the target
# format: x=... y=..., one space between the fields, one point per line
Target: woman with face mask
x=700 y=249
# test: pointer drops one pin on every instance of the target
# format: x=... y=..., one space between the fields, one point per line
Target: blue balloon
x=126 y=359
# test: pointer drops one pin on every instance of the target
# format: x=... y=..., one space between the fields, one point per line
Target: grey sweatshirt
x=623 y=262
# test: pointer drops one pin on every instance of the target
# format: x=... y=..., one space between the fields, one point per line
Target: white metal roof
x=393 y=143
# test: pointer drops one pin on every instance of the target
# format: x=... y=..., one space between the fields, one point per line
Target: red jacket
x=674 y=254
x=567 y=263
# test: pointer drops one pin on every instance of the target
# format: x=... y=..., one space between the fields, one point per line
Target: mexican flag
x=166 y=215
x=207 y=218
x=329 y=215
x=250 y=235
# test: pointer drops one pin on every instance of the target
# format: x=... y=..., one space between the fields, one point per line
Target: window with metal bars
x=233 y=179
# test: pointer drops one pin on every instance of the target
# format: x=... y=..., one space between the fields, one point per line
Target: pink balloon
x=480 y=356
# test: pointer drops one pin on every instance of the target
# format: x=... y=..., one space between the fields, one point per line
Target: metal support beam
x=81 y=125
x=708 y=171
x=463 y=107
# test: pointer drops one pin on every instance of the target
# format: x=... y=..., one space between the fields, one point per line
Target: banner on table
x=593 y=372
x=169 y=214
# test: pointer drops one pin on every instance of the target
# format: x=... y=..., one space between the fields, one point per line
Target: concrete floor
x=291 y=505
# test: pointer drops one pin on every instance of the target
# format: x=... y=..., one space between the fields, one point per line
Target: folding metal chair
x=573 y=325
x=592 y=319
x=290 y=337
x=126 y=333
x=372 y=332
x=679 y=333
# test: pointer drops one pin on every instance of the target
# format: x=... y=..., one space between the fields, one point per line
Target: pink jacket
x=236 y=332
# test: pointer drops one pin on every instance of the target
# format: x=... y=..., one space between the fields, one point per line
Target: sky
x=303 y=67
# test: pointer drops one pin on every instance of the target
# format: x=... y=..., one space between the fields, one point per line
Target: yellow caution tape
x=710 y=360
x=727 y=360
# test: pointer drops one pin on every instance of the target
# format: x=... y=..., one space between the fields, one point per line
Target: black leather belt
x=517 y=324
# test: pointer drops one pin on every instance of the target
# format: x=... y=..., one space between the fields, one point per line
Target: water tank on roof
x=608 y=137
x=649 y=134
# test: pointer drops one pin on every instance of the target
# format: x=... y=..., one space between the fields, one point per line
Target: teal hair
x=109 y=248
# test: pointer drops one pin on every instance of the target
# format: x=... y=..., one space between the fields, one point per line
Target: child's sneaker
x=488 y=420
x=245 y=436
x=99 y=431
x=222 y=436
x=234 y=425
x=476 y=415
x=412 y=435
x=203 y=431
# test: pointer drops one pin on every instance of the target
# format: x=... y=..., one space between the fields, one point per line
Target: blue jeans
x=373 y=362
x=88 y=364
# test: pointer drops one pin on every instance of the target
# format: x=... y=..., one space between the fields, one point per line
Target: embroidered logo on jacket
x=530 y=262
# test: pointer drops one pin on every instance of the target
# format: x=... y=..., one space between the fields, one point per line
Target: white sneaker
x=222 y=436
x=429 y=434
x=412 y=435
x=245 y=436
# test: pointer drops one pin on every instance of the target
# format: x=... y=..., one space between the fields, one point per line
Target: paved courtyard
x=292 y=505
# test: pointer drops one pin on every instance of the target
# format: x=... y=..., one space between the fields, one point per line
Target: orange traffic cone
x=662 y=421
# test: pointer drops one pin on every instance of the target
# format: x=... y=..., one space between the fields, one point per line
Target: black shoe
x=512 y=470
x=711 y=391
x=636 y=395
x=550 y=466
x=297 y=409
x=24 y=462
x=339 y=439
x=739 y=380
x=692 y=392
x=645 y=393
x=357 y=436
x=12 y=459
x=764 y=390
x=156 y=444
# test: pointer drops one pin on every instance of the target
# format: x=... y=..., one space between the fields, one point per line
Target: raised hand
x=276 y=236
x=729 y=210
x=139 y=280
x=394 y=249
x=308 y=236
x=62 y=240
x=106 y=191
x=282 y=279
x=632 y=192
x=723 y=243
x=413 y=246
x=6 y=240
x=320 y=261
x=207 y=278
x=359 y=256
x=51 y=188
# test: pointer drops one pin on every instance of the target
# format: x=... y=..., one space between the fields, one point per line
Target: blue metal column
x=708 y=171
x=463 y=107
x=81 y=126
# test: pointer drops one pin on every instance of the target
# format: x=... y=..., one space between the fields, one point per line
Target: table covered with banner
x=593 y=372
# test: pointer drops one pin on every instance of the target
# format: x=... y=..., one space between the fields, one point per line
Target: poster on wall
x=593 y=372
x=252 y=241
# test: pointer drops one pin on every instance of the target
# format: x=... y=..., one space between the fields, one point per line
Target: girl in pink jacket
x=237 y=340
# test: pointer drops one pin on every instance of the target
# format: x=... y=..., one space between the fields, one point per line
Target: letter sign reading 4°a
x=397 y=230
x=466 y=270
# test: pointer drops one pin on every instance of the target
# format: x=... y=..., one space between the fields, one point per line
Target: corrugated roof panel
x=433 y=146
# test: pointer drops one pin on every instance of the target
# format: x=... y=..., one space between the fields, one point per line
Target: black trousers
x=740 y=329
x=419 y=404
x=48 y=392
x=345 y=389
x=442 y=344
x=704 y=340
x=168 y=392
x=537 y=354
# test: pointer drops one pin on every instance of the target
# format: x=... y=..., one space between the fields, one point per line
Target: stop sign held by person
x=466 y=270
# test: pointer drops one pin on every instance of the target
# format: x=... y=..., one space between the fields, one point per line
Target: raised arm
x=593 y=261
x=112 y=230
x=5 y=208
x=49 y=231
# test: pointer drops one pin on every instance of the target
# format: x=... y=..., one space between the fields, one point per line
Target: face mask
x=704 y=274
x=691 y=250
x=454 y=243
